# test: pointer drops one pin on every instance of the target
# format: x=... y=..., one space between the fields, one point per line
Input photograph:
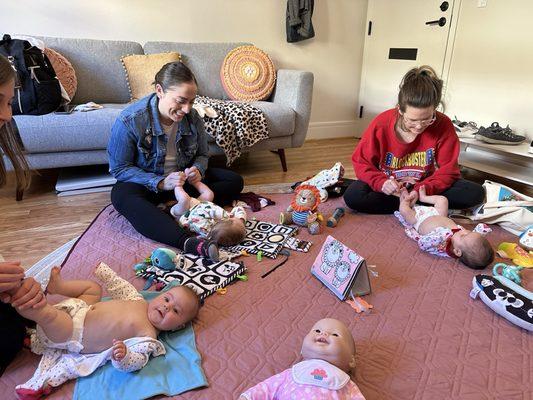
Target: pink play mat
x=424 y=339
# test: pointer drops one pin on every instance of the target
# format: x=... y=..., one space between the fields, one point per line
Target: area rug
x=424 y=339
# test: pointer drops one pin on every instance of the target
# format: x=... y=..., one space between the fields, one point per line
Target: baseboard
x=333 y=129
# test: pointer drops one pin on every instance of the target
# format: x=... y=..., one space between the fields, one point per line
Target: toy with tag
x=165 y=267
x=506 y=298
x=303 y=210
x=341 y=270
x=161 y=258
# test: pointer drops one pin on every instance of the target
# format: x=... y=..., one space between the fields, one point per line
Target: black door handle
x=441 y=22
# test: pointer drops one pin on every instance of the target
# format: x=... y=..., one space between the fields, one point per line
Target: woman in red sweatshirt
x=411 y=145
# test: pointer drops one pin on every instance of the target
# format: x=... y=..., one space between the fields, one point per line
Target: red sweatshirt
x=430 y=160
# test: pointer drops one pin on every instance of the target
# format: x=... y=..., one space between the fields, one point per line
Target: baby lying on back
x=438 y=234
x=85 y=332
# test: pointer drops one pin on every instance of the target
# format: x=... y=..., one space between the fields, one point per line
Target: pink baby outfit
x=308 y=380
x=434 y=242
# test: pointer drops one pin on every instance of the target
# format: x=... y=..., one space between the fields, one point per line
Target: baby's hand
x=119 y=350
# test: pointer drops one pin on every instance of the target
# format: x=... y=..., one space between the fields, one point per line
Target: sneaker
x=495 y=134
x=465 y=129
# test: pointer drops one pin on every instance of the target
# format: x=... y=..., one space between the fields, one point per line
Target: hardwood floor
x=42 y=222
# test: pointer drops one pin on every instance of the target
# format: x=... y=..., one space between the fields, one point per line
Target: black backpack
x=37 y=89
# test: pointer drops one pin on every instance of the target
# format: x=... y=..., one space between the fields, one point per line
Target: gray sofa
x=80 y=138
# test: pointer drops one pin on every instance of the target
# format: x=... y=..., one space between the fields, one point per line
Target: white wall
x=334 y=55
x=491 y=70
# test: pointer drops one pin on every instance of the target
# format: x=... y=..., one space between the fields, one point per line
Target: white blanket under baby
x=59 y=366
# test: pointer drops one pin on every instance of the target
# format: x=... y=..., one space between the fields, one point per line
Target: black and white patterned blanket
x=238 y=125
x=204 y=278
x=265 y=237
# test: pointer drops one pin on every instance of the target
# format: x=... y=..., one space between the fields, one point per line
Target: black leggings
x=139 y=205
x=360 y=197
x=12 y=331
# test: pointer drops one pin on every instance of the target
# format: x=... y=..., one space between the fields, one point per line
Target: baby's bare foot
x=55 y=281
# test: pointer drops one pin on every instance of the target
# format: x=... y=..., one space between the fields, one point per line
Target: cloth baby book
x=341 y=269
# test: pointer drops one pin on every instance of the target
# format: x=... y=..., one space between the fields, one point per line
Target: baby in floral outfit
x=439 y=235
x=202 y=216
x=328 y=351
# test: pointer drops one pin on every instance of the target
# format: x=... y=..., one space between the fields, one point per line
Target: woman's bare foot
x=55 y=281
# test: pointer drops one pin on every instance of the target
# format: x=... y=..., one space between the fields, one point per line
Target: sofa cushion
x=248 y=73
x=64 y=70
x=98 y=68
x=72 y=132
x=141 y=70
x=204 y=60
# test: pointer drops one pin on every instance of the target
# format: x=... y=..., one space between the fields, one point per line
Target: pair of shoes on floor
x=495 y=134
x=465 y=129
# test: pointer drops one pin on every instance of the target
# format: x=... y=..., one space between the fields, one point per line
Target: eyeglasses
x=423 y=122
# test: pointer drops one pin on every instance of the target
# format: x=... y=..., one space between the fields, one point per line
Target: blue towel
x=178 y=371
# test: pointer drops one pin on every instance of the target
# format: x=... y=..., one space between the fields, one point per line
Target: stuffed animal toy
x=325 y=179
x=303 y=210
x=162 y=258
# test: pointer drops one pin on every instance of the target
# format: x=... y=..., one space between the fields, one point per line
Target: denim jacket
x=137 y=147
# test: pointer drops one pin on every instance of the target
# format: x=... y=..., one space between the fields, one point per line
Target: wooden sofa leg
x=20 y=194
x=281 y=154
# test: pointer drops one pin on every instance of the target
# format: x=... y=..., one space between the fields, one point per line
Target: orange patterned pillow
x=64 y=71
x=141 y=70
x=248 y=74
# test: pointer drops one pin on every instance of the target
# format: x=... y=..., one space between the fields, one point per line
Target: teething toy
x=510 y=272
x=335 y=217
x=516 y=253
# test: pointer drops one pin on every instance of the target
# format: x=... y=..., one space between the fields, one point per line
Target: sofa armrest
x=295 y=89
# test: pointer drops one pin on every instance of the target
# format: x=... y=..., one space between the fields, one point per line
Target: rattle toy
x=335 y=217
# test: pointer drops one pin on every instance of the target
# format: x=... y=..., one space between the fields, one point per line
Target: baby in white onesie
x=80 y=334
x=202 y=216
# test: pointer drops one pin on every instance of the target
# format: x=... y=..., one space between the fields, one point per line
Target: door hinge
x=361 y=112
x=369 y=28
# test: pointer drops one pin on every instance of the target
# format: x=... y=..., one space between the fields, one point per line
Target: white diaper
x=423 y=213
x=77 y=309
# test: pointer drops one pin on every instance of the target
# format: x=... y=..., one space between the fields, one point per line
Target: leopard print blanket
x=237 y=125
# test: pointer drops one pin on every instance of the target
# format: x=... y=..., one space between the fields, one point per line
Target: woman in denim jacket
x=151 y=141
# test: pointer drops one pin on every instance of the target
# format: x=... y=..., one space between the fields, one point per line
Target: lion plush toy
x=303 y=210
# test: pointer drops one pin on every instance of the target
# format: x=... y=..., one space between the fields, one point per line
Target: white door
x=401 y=34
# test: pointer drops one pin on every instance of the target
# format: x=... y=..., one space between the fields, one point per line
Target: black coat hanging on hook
x=299 y=24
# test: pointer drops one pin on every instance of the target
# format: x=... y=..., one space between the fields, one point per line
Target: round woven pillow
x=248 y=74
x=64 y=71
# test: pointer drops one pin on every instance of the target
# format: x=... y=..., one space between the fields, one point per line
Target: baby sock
x=201 y=247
